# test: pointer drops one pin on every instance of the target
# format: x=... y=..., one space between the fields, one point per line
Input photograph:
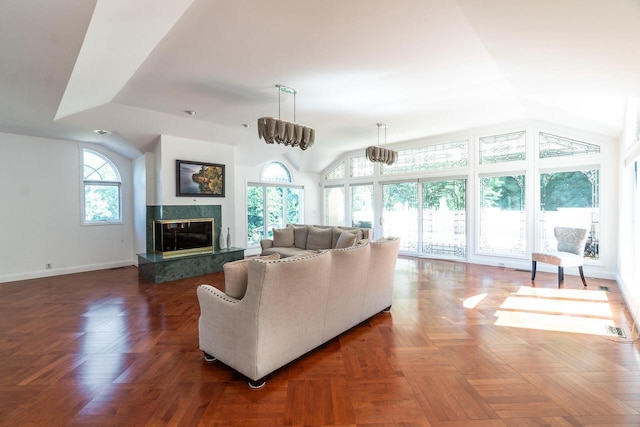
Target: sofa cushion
x=300 y=236
x=283 y=237
x=337 y=231
x=236 y=274
x=319 y=238
x=346 y=240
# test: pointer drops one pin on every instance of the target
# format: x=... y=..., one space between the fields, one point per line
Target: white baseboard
x=67 y=270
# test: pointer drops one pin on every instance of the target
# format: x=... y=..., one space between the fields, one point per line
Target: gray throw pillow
x=283 y=237
x=319 y=238
x=346 y=240
x=300 y=236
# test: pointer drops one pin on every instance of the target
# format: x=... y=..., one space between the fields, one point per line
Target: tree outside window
x=272 y=204
x=101 y=180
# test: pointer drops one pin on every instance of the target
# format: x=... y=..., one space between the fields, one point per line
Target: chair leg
x=533 y=270
x=560 y=276
x=584 y=282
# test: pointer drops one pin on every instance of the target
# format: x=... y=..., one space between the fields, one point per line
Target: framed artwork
x=199 y=179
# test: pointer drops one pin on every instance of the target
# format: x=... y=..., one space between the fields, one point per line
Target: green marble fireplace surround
x=158 y=269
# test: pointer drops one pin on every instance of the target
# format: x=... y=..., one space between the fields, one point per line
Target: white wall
x=141 y=166
x=172 y=148
x=628 y=214
x=40 y=213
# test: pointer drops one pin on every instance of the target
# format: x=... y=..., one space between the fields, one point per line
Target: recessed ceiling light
x=102 y=132
x=190 y=112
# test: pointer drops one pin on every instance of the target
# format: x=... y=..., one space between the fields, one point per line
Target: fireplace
x=175 y=237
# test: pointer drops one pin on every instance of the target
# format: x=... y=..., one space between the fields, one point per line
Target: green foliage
x=453 y=191
x=293 y=206
x=565 y=190
x=255 y=214
x=403 y=193
x=275 y=213
x=275 y=197
x=102 y=202
x=504 y=192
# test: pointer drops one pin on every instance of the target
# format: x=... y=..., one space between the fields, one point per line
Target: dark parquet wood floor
x=464 y=345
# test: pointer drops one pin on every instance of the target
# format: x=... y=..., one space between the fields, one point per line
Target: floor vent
x=612 y=330
x=604 y=288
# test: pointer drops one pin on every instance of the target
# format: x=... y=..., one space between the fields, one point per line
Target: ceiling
x=424 y=67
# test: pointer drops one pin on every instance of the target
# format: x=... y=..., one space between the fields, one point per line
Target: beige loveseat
x=296 y=239
x=291 y=306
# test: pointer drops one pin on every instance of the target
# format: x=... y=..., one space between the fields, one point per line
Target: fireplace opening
x=175 y=237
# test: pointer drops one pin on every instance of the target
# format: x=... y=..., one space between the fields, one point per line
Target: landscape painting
x=199 y=179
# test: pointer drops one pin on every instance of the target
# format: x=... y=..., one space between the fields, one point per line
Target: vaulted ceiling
x=424 y=67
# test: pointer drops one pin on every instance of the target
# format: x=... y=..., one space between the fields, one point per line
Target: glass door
x=444 y=223
x=400 y=213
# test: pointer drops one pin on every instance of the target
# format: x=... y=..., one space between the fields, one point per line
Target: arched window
x=272 y=203
x=101 y=181
x=275 y=172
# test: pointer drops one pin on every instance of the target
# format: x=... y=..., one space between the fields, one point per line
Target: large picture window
x=502 y=215
x=362 y=205
x=570 y=199
x=101 y=181
x=334 y=205
x=456 y=200
x=444 y=224
x=400 y=213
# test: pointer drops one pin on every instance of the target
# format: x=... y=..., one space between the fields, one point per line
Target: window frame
x=265 y=184
x=104 y=183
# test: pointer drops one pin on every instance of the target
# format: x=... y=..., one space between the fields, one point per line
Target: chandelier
x=280 y=131
x=381 y=154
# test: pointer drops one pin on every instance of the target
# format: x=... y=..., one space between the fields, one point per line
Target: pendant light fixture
x=280 y=131
x=378 y=154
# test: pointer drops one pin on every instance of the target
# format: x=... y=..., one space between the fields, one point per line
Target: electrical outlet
x=48 y=266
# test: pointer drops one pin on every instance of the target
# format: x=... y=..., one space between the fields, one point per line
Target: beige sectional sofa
x=297 y=239
x=290 y=306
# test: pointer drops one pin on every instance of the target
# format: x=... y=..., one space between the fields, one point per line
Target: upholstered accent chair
x=570 y=252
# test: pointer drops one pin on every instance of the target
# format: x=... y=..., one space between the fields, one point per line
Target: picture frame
x=199 y=179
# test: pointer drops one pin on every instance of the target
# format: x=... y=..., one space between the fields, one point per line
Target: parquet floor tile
x=463 y=346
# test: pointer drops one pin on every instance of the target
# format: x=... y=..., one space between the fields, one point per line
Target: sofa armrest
x=266 y=243
x=223 y=328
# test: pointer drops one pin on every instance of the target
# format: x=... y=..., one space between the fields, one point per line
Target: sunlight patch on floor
x=578 y=294
x=564 y=310
x=471 y=302
x=551 y=322
x=549 y=305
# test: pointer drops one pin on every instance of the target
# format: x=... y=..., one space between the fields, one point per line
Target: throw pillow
x=300 y=236
x=346 y=240
x=338 y=231
x=319 y=238
x=335 y=235
x=283 y=237
x=236 y=275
